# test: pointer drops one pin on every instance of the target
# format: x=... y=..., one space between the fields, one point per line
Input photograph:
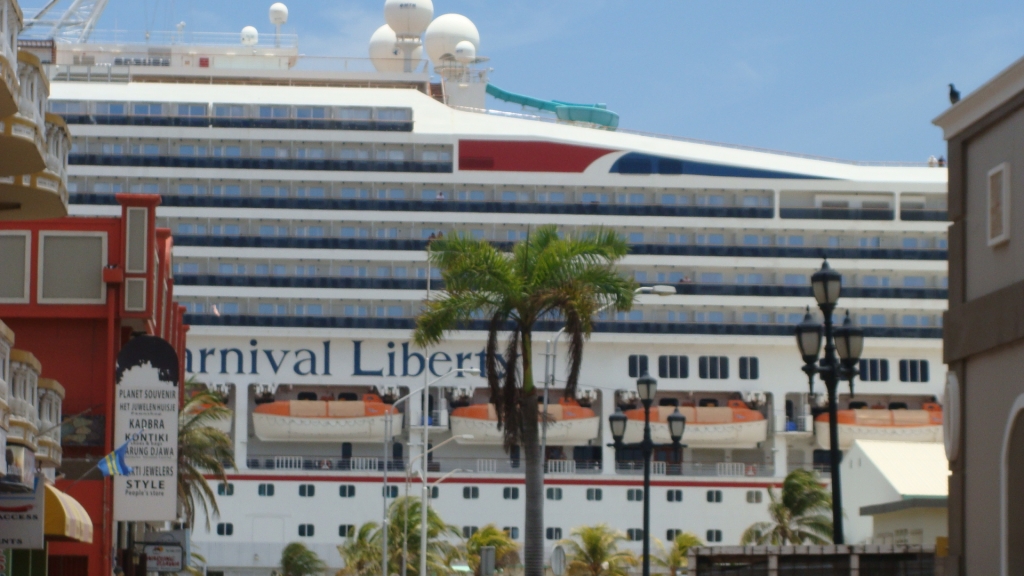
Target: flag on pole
x=113 y=464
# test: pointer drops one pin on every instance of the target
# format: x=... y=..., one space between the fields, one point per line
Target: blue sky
x=858 y=80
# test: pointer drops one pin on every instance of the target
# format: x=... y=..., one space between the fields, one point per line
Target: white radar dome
x=278 y=13
x=444 y=34
x=250 y=36
x=465 y=52
x=408 y=17
x=385 y=54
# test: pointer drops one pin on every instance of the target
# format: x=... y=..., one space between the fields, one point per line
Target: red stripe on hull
x=526 y=156
x=596 y=481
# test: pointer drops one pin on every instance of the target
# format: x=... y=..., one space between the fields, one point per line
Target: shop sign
x=146 y=403
x=21 y=519
x=164 y=558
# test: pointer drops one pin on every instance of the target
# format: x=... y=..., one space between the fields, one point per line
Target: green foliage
x=297 y=560
x=674 y=558
x=506 y=550
x=799 y=514
x=202 y=449
x=361 y=552
x=594 y=551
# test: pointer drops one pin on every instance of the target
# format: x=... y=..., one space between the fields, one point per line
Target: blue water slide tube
x=592 y=113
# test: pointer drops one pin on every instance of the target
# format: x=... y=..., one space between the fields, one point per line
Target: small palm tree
x=675 y=557
x=361 y=552
x=202 y=449
x=594 y=551
x=440 y=538
x=506 y=550
x=297 y=560
x=545 y=276
x=799 y=514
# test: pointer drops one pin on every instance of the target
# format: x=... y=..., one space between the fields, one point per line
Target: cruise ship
x=302 y=193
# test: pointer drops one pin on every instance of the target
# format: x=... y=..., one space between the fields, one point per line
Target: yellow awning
x=65 y=518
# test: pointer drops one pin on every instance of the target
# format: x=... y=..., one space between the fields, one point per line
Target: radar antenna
x=73 y=25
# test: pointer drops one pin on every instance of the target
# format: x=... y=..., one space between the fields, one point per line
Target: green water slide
x=592 y=113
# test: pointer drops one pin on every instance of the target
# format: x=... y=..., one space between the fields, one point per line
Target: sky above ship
x=854 y=80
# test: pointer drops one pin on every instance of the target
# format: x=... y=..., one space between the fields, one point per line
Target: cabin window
x=635 y=495
x=715 y=496
x=511 y=493
x=637 y=365
x=714 y=367
x=307 y=490
x=390 y=491
x=225 y=529
x=635 y=534
x=266 y=490
x=471 y=492
x=672 y=533
x=306 y=530
x=225 y=489
x=714 y=536
x=512 y=531
x=346 y=530
x=913 y=370
x=675 y=495
x=594 y=494
x=673 y=366
x=754 y=496
x=347 y=491
x=554 y=493
x=553 y=533
x=874 y=370
x=748 y=368
x=468 y=531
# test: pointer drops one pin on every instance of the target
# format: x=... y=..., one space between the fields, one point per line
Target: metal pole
x=424 y=506
x=831 y=378
x=550 y=364
x=647 y=448
x=384 y=493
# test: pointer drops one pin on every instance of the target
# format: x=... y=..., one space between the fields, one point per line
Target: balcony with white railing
x=22 y=134
x=6 y=342
x=51 y=399
x=10 y=26
x=24 y=419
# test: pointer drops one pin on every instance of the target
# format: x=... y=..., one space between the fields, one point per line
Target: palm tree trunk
x=533 y=550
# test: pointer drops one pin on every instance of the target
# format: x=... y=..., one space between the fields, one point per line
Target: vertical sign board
x=146 y=408
x=21 y=518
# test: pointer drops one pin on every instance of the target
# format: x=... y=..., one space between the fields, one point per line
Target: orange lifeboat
x=732 y=426
x=323 y=420
x=924 y=425
x=568 y=423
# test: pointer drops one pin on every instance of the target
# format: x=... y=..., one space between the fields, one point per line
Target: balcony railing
x=260 y=163
x=837 y=213
x=222 y=122
x=915 y=215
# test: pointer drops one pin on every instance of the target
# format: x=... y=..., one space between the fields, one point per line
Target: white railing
x=364 y=463
x=486 y=465
x=659 y=468
x=561 y=466
x=288 y=462
x=731 y=469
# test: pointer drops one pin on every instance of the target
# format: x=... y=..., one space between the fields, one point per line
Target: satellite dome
x=444 y=34
x=278 y=13
x=465 y=52
x=408 y=17
x=250 y=36
x=384 y=51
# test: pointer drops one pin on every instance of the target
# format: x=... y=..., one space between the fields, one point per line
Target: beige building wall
x=909 y=527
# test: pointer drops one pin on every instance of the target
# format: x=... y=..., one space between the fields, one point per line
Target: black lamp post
x=647 y=387
x=843 y=347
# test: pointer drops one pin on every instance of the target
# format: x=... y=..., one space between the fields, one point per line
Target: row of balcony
x=34 y=145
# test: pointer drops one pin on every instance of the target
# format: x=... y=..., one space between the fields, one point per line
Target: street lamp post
x=647 y=387
x=423 y=478
x=843 y=347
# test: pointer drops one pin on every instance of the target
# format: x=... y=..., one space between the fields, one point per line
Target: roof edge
x=907 y=503
x=983 y=100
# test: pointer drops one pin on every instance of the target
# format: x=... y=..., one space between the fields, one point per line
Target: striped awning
x=65 y=518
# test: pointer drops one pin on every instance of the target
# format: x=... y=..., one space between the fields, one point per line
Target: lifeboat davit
x=924 y=425
x=732 y=426
x=324 y=420
x=569 y=424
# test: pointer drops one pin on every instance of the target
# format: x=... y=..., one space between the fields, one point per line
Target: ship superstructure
x=302 y=197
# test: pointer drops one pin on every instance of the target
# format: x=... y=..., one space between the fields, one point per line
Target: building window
x=913 y=370
x=306 y=530
x=307 y=490
x=347 y=491
x=715 y=496
x=553 y=533
x=874 y=370
x=225 y=529
x=675 y=495
x=672 y=533
x=512 y=531
x=594 y=494
x=673 y=366
x=471 y=492
x=714 y=536
x=554 y=494
x=714 y=367
x=390 y=491
x=468 y=531
x=998 y=213
x=635 y=534
x=225 y=489
x=511 y=493
x=748 y=368
x=754 y=496
x=635 y=495
x=266 y=490
x=637 y=365
x=346 y=530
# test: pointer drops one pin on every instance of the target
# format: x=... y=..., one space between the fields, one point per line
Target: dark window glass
x=637 y=365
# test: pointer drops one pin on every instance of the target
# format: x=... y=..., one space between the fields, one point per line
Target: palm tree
x=361 y=552
x=297 y=560
x=506 y=550
x=675 y=557
x=544 y=276
x=594 y=551
x=202 y=449
x=439 y=538
x=799 y=514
